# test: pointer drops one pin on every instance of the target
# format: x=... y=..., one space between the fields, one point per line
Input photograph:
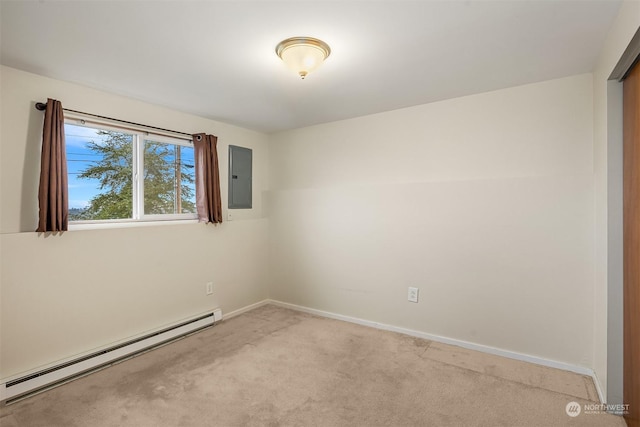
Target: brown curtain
x=208 y=199
x=53 y=192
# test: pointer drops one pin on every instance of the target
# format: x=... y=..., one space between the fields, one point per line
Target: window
x=117 y=175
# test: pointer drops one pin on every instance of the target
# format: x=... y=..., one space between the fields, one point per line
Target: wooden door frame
x=631 y=292
x=631 y=338
x=631 y=188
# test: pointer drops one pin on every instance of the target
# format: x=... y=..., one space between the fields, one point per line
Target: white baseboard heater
x=19 y=388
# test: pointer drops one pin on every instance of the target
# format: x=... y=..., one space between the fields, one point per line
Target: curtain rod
x=41 y=106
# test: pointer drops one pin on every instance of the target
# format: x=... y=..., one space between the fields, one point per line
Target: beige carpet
x=273 y=367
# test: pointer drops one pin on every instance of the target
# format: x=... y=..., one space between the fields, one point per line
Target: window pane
x=100 y=173
x=169 y=179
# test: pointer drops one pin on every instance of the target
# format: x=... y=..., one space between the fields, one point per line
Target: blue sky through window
x=79 y=158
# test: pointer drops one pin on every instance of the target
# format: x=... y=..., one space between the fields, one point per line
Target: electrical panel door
x=240 y=177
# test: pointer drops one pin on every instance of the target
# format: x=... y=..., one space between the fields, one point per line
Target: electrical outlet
x=413 y=294
x=209 y=288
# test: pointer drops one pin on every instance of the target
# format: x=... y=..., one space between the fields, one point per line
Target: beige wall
x=608 y=166
x=65 y=295
x=484 y=202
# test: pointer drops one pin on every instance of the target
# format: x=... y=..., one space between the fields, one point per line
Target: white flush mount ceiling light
x=303 y=54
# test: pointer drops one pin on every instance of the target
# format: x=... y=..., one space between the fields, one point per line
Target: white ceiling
x=217 y=60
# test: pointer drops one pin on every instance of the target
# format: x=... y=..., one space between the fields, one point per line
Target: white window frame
x=139 y=152
x=140 y=136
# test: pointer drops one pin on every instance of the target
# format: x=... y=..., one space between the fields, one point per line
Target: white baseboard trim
x=238 y=312
x=451 y=341
x=419 y=334
x=594 y=377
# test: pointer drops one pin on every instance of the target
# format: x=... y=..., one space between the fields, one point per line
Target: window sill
x=127 y=224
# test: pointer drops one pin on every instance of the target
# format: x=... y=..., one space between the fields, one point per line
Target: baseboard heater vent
x=19 y=388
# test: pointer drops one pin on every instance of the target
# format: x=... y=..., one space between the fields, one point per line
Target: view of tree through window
x=169 y=180
x=101 y=170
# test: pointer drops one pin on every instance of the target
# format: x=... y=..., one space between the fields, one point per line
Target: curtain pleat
x=208 y=199
x=53 y=191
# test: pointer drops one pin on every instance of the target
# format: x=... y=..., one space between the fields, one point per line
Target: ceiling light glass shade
x=303 y=54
